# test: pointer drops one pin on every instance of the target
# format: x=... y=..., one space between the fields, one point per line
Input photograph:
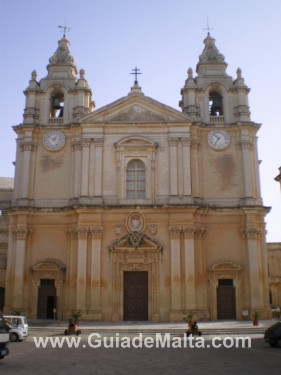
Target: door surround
x=224 y=270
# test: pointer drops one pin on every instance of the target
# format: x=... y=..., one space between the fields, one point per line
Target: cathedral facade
x=135 y=211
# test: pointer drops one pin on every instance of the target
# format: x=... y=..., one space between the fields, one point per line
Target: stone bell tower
x=225 y=180
x=54 y=103
x=42 y=174
x=219 y=107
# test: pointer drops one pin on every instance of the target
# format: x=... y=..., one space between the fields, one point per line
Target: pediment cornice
x=135 y=108
x=136 y=241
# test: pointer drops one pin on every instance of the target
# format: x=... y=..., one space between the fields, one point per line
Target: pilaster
x=175 y=273
x=98 y=166
x=186 y=166
x=85 y=167
x=76 y=149
x=189 y=265
x=253 y=236
x=82 y=233
x=173 y=146
x=95 y=273
x=26 y=148
x=246 y=146
x=21 y=236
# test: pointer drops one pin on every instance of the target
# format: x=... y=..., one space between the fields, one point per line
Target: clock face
x=54 y=140
x=218 y=139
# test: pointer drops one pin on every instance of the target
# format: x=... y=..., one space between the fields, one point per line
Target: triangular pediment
x=135 y=108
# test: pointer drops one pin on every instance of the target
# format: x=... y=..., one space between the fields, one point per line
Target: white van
x=19 y=321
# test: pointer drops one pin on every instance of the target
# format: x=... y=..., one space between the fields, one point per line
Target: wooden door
x=226 y=303
x=136 y=295
x=46 y=299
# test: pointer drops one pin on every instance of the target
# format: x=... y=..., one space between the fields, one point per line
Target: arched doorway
x=225 y=291
x=48 y=282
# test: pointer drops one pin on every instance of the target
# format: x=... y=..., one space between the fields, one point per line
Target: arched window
x=57 y=105
x=215 y=104
x=135 y=179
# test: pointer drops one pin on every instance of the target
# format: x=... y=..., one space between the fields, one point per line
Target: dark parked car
x=273 y=335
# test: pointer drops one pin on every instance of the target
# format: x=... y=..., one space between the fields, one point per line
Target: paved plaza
x=25 y=358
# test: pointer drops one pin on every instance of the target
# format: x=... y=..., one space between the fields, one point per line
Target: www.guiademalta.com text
x=95 y=341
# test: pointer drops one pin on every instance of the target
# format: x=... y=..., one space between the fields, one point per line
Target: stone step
x=133 y=332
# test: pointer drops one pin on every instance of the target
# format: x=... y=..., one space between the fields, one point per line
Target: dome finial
x=64 y=28
x=208 y=28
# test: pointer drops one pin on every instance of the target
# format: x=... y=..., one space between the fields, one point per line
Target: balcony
x=216 y=119
x=55 y=120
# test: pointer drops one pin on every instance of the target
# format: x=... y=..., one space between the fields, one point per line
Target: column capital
x=189 y=232
x=96 y=231
x=85 y=142
x=76 y=145
x=28 y=146
x=195 y=144
x=252 y=233
x=244 y=144
x=98 y=142
x=71 y=233
x=82 y=231
x=22 y=233
x=186 y=141
x=173 y=141
x=175 y=231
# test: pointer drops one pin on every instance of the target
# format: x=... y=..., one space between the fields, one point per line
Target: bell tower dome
x=60 y=97
x=213 y=96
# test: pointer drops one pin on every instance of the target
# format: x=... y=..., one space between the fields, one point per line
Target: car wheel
x=13 y=337
x=272 y=344
x=279 y=343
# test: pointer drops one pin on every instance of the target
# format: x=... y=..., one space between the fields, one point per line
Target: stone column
x=186 y=166
x=95 y=286
x=85 y=167
x=81 y=268
x=21 y=235
x=173 y=145
x=98 y=167
x=189 y=266
x=176 y=306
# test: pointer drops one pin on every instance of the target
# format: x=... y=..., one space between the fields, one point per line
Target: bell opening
x=57 y=105
x=215 y=104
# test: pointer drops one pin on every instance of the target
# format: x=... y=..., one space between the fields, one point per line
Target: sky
x=163 y=38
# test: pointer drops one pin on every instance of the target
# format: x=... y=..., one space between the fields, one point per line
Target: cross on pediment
x=136 y=72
